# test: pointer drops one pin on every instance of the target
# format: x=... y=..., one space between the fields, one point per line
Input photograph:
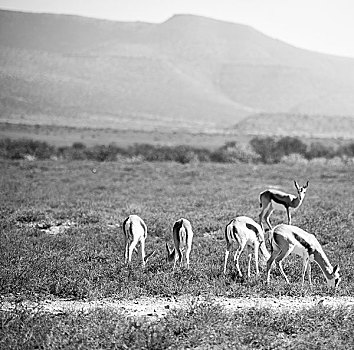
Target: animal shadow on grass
x=234 y=277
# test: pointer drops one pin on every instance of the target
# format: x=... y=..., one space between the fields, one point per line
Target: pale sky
x=319 y=25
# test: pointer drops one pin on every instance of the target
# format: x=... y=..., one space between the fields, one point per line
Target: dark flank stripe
x=230 y=235
x=305 y=244
x=131 y=228
x=227 y=236
x=177 y=227
x=253 y=228
x=142 y=225
x=275 y=238
x=234 y=231
x=124 y=223
x=274 y=198
x=178 y=224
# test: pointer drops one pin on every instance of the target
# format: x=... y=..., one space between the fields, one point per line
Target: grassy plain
x=65 y=136
x=86 y=261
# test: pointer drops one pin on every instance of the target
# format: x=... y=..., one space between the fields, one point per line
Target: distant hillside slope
x=188 y=72
x=297 y=125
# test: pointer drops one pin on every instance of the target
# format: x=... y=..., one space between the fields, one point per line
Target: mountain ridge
x=188 y=70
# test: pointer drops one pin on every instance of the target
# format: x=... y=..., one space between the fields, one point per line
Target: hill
x=301 y=125
x=189 y=73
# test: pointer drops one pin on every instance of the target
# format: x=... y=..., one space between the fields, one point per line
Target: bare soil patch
x=156 y=307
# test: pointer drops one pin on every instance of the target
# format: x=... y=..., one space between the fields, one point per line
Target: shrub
x=347 y=150
x=263 y=149
x=203 y=154
x=289 y=145
x=319 y=150
x=181 y=154
x=78 y=145
x=102 y=153
x=19 y=149
x=271 y=151
x=232 y=152
x=266 y=148
x=184 y=154
x=71 y=153
x=148 y=152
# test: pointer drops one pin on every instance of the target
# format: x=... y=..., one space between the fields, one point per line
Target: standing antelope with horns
x=287 y=201
x=288 y=239
x=135 y=231
x=182 y=238
x=246 y=233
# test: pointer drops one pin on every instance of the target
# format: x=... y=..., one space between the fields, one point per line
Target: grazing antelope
x=285 y=200
x=182 y=238
x=135 y=231
x=245 y=232
x=288 y=239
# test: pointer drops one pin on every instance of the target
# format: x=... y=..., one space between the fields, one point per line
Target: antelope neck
x=324 y=264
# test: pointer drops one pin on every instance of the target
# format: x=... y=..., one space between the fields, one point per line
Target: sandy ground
x=157 y=307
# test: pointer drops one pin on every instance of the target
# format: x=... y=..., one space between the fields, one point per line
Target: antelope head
x=170 y=253
x=301 y=191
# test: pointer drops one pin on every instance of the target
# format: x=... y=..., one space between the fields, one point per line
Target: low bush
x=19 y=149
x=291 y=145
x=319 y=150
x=347 y=150
x=181 y=154
x=272 y=151
x=266 y=150
x=102 y=153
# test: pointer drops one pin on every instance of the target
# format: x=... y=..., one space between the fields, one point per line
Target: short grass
x=65 y=136
x=86 y=261
x=205 y=326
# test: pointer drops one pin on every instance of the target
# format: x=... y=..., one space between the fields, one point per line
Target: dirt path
x=157 y=307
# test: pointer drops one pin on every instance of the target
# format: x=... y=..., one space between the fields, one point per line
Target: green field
x=85 y=262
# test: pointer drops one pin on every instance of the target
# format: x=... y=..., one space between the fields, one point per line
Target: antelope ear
x=335 y=269
x=307 y=184
x=296 y=185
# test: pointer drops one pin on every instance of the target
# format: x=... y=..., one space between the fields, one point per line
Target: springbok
x=288 y=239
x=135 y=231
x=182 y=238
x=285 y=200
x=245 y=232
